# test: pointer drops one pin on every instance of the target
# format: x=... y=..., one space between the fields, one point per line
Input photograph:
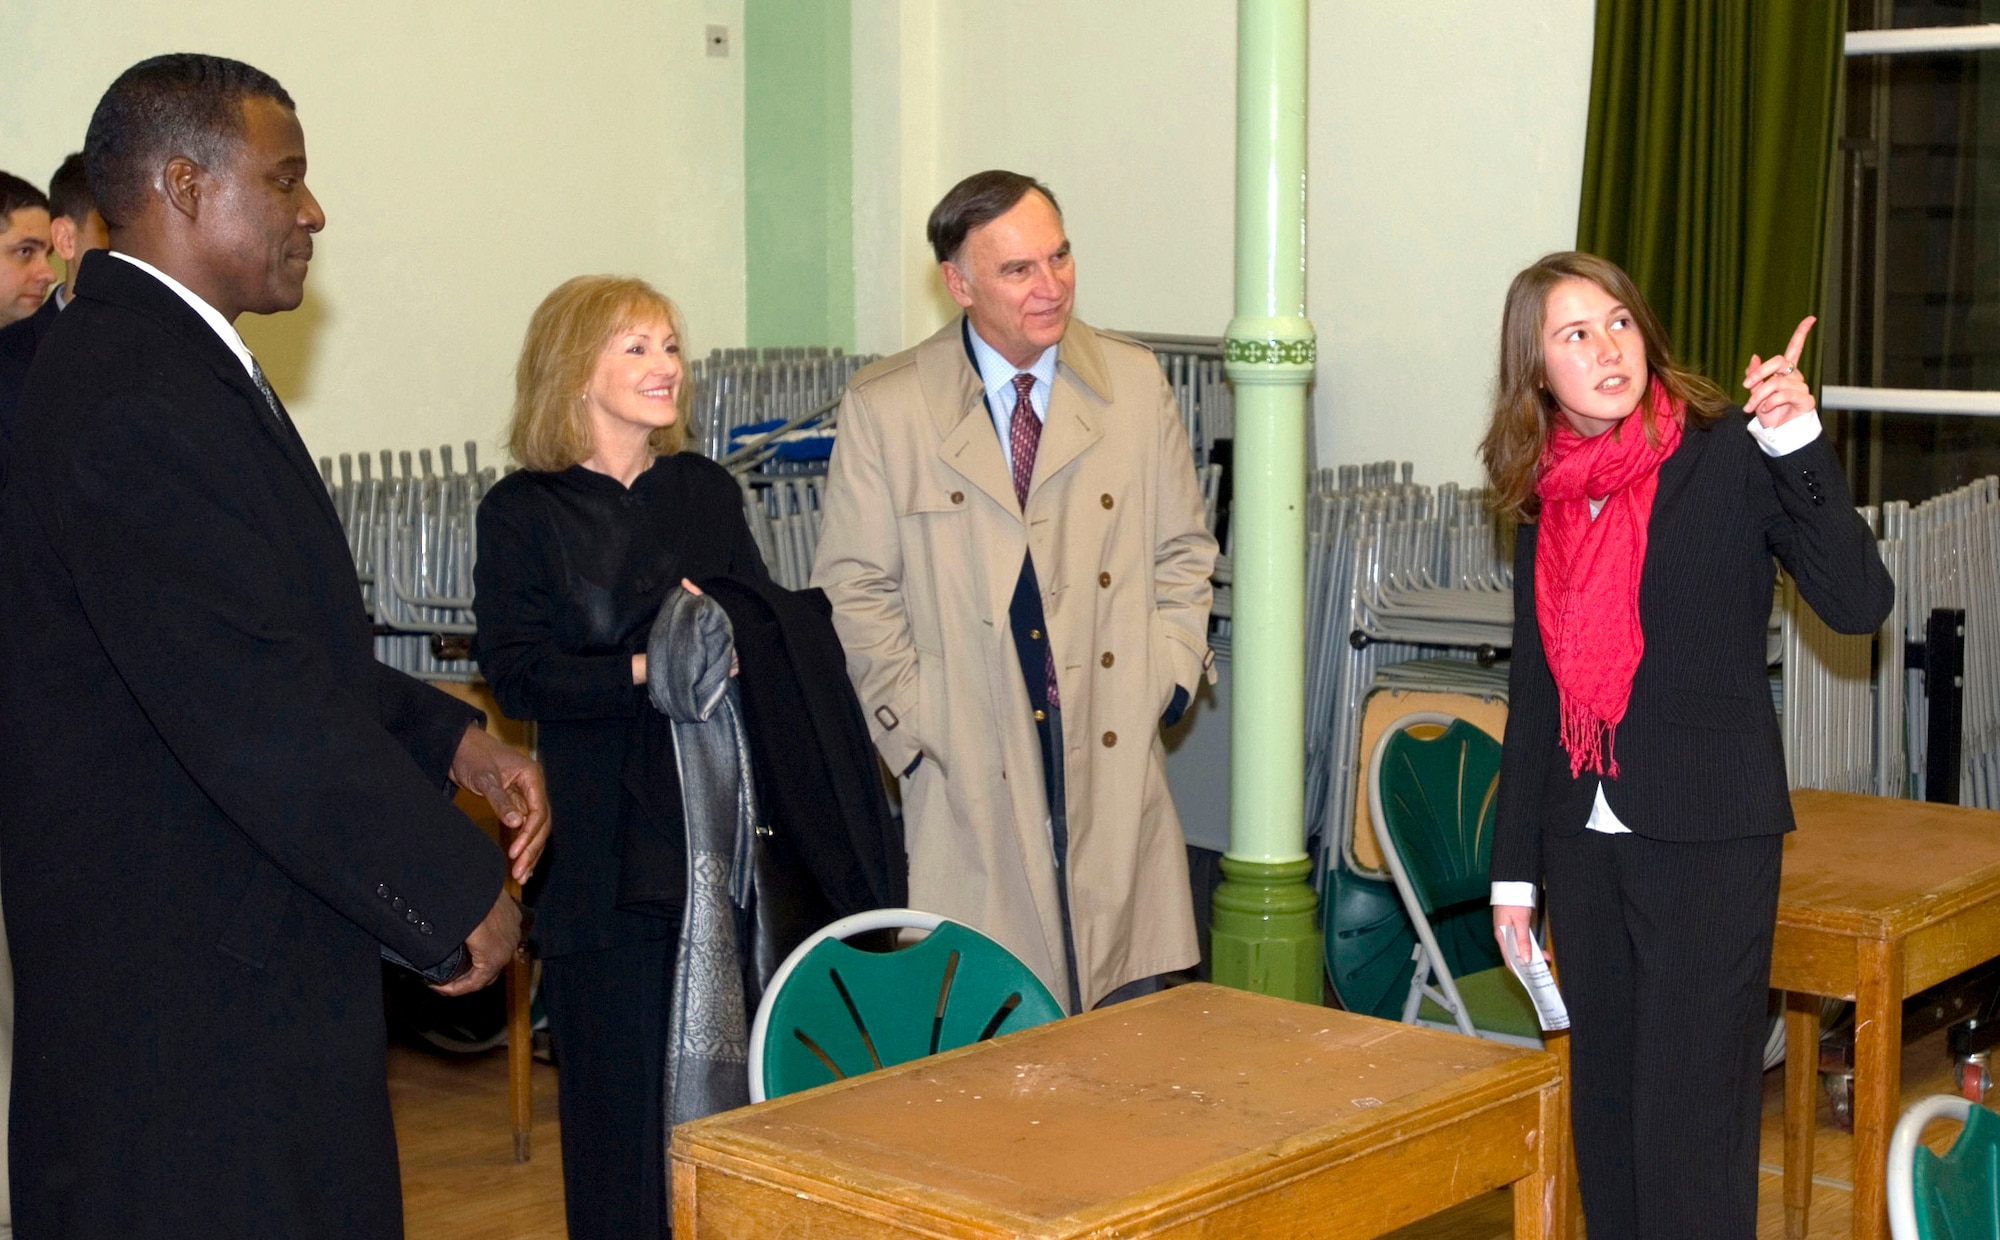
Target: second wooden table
x=1879 y=899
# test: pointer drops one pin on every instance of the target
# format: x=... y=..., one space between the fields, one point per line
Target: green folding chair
x=1956 y=1197
x=1432 y=780
x=834 y=1011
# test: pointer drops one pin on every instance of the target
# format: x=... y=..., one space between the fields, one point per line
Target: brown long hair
x=550 y=430
x=1524 y=410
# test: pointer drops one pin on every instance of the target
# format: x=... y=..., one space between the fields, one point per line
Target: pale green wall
x=470 y=155
x=798 y=204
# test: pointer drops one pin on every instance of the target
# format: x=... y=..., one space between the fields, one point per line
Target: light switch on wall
x=717 y=40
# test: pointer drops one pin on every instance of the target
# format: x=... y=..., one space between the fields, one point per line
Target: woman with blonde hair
x=1642 y=783
x=577 y=550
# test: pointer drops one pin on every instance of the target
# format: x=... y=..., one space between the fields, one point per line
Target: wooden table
x=1879 y=899
x=1199 y=1112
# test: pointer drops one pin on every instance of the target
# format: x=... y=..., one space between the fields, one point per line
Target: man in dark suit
x=220 y=810
x=75 y=228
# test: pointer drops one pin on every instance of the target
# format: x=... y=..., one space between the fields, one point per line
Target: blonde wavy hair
x=550 y=429
x=1524 y=410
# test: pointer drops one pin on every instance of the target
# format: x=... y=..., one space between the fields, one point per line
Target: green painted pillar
x=1263 y=916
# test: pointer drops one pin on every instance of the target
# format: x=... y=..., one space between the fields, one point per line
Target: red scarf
x=1587 y=571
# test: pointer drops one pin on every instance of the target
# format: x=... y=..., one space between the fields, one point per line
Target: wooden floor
x=460 y=1181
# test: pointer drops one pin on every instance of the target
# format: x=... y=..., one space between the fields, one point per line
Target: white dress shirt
x=209 y=314
x=996 y=375
x=1779 y=440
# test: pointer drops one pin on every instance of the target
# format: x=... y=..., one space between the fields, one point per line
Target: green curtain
x=1711 y=139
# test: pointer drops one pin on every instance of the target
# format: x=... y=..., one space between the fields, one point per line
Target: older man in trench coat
x=1014 y=547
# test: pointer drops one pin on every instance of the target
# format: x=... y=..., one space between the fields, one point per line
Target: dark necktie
x=1024 y=435
x=270 y=397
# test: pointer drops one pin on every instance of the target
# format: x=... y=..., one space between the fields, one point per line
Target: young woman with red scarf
x=1643 y=780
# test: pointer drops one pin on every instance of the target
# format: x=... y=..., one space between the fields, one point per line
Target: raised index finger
x=1798 y=344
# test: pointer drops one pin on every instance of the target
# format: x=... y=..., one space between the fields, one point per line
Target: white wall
x=1446 y=152
x=470 y=156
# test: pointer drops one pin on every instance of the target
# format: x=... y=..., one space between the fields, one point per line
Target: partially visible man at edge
x=1019 y=570
x=221 y=811
x=75 y=227
x=25 y=273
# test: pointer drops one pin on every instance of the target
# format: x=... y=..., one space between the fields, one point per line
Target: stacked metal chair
x=412 y=532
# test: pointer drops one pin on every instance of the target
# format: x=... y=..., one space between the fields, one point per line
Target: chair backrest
x=1949 y=1198
x=1434 y=781
x=835 y=1011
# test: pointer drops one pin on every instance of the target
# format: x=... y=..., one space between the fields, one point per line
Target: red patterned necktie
x=1024 y=435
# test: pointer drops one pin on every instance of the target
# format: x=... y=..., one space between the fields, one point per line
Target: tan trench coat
x=920 y=549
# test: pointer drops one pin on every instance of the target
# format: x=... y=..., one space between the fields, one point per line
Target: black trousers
x=1664 y=951
x=608 y=1019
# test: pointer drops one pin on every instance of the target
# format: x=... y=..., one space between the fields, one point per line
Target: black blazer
x=1699 y=753
x=218 y=808
x=819 y=782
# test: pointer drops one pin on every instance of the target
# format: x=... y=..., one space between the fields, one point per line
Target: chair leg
x=1421 y=978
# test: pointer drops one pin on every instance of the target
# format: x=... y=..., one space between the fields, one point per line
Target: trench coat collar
x=957 y=403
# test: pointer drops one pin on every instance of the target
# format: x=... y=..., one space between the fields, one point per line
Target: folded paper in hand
x=1550 y=1011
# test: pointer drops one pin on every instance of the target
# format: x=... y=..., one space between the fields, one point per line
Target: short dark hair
x=69 y=190
x=15 y=194
x=179 y=104
x=978 y=200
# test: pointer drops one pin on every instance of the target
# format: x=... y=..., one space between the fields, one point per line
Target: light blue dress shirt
x=996 y=375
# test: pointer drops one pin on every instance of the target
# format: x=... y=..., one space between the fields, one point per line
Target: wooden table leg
x=1801 y=1107
x=1878 y=1080
x=1540 y=1199
x=520 y=1043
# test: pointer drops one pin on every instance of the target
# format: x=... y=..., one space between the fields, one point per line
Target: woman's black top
x=572 y=569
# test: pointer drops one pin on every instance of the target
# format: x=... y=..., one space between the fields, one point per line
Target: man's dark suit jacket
x=1699 y=753
x=218 y=806
x=19 y=342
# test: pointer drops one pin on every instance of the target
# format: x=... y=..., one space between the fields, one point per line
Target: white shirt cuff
x=1519 y=894
x=1786 y=437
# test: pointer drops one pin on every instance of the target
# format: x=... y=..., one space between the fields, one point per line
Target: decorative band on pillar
x=1270 y=352
x=1270 y=349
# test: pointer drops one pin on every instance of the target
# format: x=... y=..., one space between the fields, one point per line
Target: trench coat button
x=1107 y=660
x=1041 y=717
x=958 y=497
x=1104 y=579
x=1105 y=499
x=423 y=927
x=1110 y=739
x=1034 y=635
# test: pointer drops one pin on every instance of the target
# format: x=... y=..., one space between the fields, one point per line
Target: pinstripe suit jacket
x=1698 y=752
